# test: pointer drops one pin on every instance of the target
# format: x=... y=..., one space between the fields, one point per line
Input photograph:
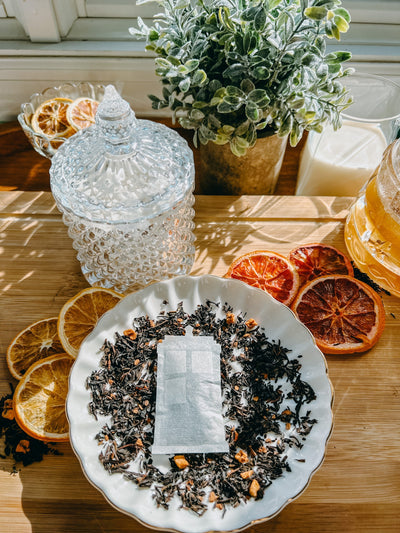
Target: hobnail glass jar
x=125 y=189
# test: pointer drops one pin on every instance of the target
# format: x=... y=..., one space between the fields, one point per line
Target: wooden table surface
x=356 y=490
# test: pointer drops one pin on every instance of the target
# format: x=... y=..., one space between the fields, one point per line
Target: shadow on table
x=229 y=226
x=57 y=498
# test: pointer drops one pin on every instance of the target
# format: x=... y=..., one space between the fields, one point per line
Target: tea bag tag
x=188 y=415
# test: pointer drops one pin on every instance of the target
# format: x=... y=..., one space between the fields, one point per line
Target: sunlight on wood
x=26 y=276
x=357 y=488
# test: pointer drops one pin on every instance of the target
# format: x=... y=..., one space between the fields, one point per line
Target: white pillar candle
x=338 y=163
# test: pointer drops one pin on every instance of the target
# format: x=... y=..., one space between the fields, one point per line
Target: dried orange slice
x=344 y=314
x=80 y=314
x=37 y=341
x=315 y=260
x=269 y=271
x=39 y=399
x=81 y=113
x=50 y=118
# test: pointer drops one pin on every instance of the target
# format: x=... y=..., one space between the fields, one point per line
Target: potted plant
x=239 y=71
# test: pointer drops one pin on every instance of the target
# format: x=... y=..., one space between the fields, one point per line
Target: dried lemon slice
x=37 y=341
x=50 y=118
x=80 y=314
x=81 y=113
x=39 y=399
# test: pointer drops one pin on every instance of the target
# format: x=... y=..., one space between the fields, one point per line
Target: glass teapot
x=372 y=231
x=125 y=189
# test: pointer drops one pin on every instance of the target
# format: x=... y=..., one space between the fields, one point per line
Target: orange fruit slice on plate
x=81 y=113
x=315 y=260
x=344 y=314
x=50 y=118
x=39 y=399
x=80 y=314
x=269 y=271
x=37 y=341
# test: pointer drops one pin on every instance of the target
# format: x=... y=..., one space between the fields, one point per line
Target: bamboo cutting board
x=358 y=487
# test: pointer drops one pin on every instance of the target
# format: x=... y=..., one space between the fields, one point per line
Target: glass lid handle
x=117 y=122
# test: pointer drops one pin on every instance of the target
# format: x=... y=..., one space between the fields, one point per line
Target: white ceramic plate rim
x=279 y=322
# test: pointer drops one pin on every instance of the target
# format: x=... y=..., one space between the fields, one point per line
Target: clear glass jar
x=372 y=231
x=125 y=189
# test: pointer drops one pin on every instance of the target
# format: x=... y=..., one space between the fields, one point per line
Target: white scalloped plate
x=278 y=322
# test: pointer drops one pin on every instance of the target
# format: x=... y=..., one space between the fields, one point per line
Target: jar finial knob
x=115 y=117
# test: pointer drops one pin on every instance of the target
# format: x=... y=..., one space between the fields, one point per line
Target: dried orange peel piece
x=344 y=315
x=39 y=399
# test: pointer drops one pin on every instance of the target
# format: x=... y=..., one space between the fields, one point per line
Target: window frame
x=56 y=20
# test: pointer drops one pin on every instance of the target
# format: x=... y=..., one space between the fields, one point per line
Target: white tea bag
x=188 y=415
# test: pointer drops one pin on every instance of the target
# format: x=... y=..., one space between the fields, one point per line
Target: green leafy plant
x=236 y=70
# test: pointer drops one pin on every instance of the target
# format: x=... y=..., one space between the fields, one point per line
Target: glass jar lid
x=121 y=169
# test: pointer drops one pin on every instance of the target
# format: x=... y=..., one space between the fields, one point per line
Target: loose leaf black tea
x=260 y=386
x=362 y=276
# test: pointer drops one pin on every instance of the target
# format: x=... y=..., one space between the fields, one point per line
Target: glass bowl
x=43 y=144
